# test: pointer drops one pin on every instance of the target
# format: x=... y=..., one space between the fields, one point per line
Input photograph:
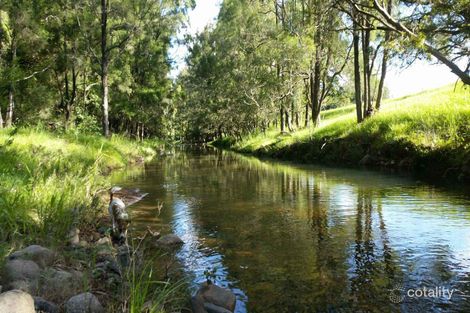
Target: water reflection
x=290 y=238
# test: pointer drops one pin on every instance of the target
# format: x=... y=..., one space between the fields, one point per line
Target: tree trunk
x=384 y=63
x=11 y=91
x=281 y=120
x=357 y=74
x=66 y=101
x=307 y=119
x=365 y=65
x=1 y=118
x=315 y=91
x=287 y=119
x=104 y=68
x=292 y=113
x=70 y=95
x=315 y=78
x=11 y=106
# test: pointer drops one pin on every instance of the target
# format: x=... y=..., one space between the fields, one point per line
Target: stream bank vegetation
x=274 y=78
x=52 y=183
x=293 y=70
x=426 y=133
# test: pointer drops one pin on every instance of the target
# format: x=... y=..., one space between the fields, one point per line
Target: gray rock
x=74 y=236
x=21 y=270
x=197 y=304
x=40 y=255
x=218 y=296
x=60 y=284
x=23 y=285
x=104 y=241
x=16 y=301
x=212 y=308
x=105 y=251
x=84 y=303
x=45 y=306
x=124 y=256
x=169 y=241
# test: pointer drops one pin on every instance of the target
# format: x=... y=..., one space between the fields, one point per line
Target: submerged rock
x=212 y=308
x=169 y=241
x=38 y=254
x=197 y=305
x=16 y=301
x=84 y=303
x=215 y=299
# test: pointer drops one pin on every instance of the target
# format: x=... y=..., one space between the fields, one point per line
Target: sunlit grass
x=49 y=181
x=432 y=119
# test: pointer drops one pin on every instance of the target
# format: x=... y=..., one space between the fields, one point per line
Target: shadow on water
x=291 y=238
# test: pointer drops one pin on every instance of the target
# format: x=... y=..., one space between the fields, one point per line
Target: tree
x=448 y=22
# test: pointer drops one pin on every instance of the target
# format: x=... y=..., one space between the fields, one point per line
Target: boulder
x=197 y=305
x=169 y=241
x=217 y=296
x=16 y=301
x=45 y=306
x=212 y=308
x=84 y=303
x=40 y=255
x=109 y=272
x=23 y=285
x=18 y=270
x=60 y=284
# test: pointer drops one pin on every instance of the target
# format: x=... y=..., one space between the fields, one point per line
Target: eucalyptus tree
x=437 y=28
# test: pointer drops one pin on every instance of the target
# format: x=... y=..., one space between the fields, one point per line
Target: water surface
x=295 y=238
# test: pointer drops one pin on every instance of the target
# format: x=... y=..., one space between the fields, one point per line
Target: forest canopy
x=280 y=63
x=103 y=66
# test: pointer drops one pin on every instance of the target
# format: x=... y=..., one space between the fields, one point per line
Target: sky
x=420 y=76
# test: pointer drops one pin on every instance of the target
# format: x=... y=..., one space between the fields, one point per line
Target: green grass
x=49 y=182
x=430 y=130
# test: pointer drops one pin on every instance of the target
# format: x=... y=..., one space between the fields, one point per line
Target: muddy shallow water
x=296 y=238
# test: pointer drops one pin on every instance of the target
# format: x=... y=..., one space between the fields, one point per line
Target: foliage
x=419 y=128
x=50 y=63
x=49 y=181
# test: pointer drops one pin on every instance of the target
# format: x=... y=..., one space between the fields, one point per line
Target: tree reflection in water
x=309 y=239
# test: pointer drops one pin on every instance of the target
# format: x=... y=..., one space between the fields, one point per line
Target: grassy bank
x=49 y=182
x=428 y=133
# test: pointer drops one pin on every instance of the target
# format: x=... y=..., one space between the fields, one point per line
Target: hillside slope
x=428 y=133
